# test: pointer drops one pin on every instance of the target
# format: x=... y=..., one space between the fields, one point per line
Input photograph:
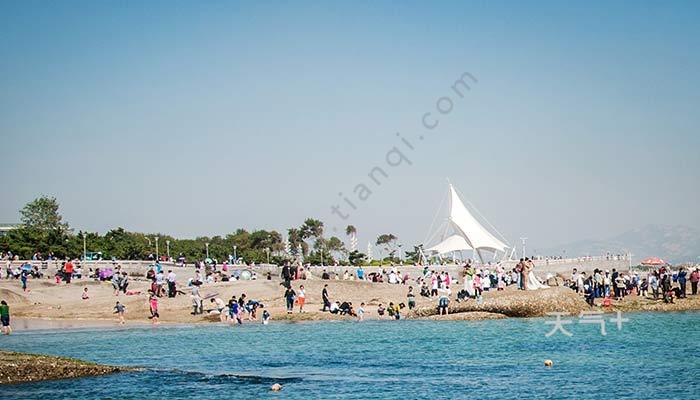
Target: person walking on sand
x=5 y=318
x=153 y=302
x=290 y=295
x=23 y=277
x=119 y=309
x=301 y=298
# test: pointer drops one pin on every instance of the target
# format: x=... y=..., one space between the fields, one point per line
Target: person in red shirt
x=68 y=271
x=694 y=279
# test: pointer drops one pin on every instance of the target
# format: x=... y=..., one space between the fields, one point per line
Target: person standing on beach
x=361 y=312
x=172 y=278
x=124 y=282
x=116 y=283
x=682 y=274
x=196 y=299
x=5 y=317
x=68 y=271
x=326 y=299
x=290 y=295
x=286 y=275
x=694 y=279
x=301 y=298
x=519 y=269
x=411 y=298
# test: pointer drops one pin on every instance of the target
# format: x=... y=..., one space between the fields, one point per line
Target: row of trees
x=43 y=231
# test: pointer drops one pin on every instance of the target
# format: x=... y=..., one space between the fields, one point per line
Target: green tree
x=387 y=241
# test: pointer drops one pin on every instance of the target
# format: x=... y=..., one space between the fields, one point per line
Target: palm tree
x=351 y=231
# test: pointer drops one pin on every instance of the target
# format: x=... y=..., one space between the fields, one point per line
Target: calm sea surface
x=653 y=356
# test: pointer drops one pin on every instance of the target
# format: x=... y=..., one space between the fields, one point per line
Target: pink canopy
x=653 y=261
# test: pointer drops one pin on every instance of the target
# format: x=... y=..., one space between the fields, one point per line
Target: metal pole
x=157 y=255
x=234 y=254
x=523 y=239
x=84 y=247
x=167 y=245
x=207 y=246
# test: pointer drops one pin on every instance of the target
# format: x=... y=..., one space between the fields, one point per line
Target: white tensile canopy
x=473 y=232
x=467 y=232
x=452 y=243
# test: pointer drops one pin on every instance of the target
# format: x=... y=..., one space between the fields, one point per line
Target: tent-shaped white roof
x=472 y=231
x=452 y=243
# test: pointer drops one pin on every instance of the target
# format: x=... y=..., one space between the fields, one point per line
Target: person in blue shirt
x=360 y=274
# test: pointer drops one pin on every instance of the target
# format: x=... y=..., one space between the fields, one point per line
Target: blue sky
x=197 y=118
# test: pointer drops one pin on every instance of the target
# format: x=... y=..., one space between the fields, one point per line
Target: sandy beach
x=48 y=305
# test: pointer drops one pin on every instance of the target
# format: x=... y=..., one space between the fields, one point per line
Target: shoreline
x=48 y=306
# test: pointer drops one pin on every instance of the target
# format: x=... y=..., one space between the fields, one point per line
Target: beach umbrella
x=653 y=261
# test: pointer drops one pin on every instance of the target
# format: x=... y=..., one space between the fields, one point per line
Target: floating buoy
x=276 y=387
x=548 y=363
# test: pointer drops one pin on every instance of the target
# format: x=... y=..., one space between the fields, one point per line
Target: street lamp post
x=157 y=255
x=267 y=250
x=207 y=246
x=84 y=247
x=523 y=239
x=235 y=258
x=167 y=246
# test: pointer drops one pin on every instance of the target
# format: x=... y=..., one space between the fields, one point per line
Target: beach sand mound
x=466 y=316
x=13 y=296
x=518 y=303
x=22 y=368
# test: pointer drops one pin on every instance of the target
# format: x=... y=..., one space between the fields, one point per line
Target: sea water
x=653 y=355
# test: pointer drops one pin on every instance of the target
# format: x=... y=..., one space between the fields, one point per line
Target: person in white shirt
x=171 y=283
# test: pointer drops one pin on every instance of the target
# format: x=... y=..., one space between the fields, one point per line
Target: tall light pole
x=167 y=246
x=267 y=250
x=157 y=255
x=84 y=247
x=207 y=246
x=235 y=258
x=523 y=239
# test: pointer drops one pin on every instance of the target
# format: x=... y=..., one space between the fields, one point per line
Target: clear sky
x=197 y=118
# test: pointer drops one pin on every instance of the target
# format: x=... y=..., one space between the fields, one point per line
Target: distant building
x=4 y=228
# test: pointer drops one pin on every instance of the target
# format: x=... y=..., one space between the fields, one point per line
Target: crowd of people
x=659 y=283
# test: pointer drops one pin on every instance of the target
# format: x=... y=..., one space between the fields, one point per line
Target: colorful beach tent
x=653 y=261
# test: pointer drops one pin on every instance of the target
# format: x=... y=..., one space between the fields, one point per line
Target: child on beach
x=119 y=310
x=301 y=298
x=85 y=295
x=477 y=286
x=154 y=308
x=411 y=298
x=265 y=317
x=361 y=312
x=234 y=310
x=380 y=311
